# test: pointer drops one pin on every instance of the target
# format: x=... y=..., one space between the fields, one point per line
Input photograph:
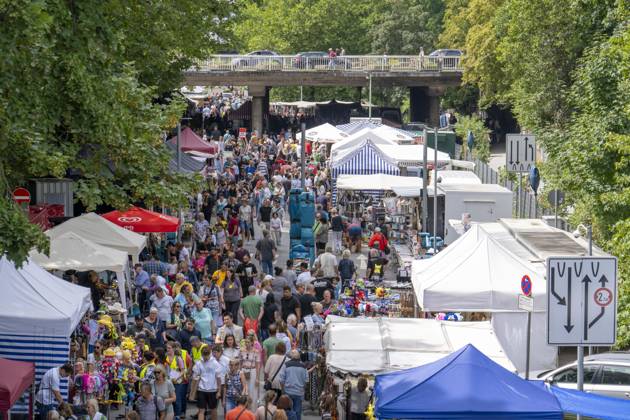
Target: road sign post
x=526 y=303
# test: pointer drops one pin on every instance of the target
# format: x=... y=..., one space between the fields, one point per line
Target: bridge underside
x=327 y=78
x=425 y=87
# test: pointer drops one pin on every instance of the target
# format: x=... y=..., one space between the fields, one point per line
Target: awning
x=382 y=182
x=378 y=345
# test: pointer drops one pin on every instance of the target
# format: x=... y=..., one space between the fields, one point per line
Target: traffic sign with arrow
x=520 y=153
x=581 y=300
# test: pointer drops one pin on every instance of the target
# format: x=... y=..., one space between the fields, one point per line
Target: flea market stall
x=16 y=378
x=102 y=232
x=372 y=346
x=465 y=384
x=73 y=252
x=38 y=314
x=481 y=272
x=190 y=142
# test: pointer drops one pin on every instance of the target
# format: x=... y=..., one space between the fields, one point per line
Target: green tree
x=78 y=92
x=474 y=124
x=404 y=26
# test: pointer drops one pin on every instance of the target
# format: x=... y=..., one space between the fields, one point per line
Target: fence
x=346 y=63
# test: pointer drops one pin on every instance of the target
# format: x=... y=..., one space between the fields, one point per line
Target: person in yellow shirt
x=219 y=276
x=180 y=281
x=196 y=348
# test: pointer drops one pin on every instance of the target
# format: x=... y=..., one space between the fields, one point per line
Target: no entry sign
x=21 y=195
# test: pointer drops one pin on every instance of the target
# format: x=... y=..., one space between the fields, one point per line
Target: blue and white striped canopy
x=356 y=126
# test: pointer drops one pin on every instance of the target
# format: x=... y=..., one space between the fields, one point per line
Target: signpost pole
x=580 y=349
x=555 y=209
x=520 y=196
x=303 y=157
x=435 y=195
x=425 y=195
x=529 y=337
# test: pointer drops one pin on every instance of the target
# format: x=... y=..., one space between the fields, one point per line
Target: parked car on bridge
x=444 y=59
x=310 y=59
x=605 y=374
x=258 y=58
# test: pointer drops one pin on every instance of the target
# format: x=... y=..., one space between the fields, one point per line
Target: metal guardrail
x=346 y=63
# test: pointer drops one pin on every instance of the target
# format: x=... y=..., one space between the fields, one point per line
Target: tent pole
x=303 y=156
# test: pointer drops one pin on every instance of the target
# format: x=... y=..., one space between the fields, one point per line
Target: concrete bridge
x=426 y=77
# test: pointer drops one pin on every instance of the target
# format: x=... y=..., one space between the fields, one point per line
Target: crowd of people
x=221 y=321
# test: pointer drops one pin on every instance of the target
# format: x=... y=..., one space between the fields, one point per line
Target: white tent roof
x=325 y=133
x=73 y=252
x=378 y=345
x=393 y=134
x=102 y=232
x=480 y=271
x=456 y=177
x=412 y=154
x=38 y=303
x=355 y=141
x=378 y=182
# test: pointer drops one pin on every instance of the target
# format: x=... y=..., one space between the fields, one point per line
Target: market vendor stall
x=38 y=313
x=73 y=252
x=191 y=143
x=482 y=271
x=378 y=345
x=101 y=231
x=465 y=384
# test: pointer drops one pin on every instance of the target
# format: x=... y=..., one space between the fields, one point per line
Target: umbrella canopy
x=141 y=220
x=465 y=384
x=190 y=142
x=325 y=133
x=15 y=379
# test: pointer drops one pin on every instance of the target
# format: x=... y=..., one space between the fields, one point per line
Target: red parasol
x=140 y=220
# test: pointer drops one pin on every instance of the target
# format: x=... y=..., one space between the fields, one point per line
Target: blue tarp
x=465 y=384
x=591 y=405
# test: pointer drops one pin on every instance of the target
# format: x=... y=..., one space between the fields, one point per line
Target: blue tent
x=591 y=405
x=465 y=384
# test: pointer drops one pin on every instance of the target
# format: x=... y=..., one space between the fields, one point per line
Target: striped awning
x=367 y=160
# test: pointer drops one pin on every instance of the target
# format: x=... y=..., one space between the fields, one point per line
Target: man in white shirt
x=208 y=375
x=305 y=276
x=49 y=394
x=163 y=303
x=327 y=262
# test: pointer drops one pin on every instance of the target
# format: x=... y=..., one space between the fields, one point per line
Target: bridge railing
x=347 y=63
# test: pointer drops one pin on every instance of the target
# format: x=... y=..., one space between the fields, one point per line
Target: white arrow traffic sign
x=581 y=300
x=520 y=152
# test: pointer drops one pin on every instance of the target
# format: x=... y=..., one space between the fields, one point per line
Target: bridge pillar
x=424 y=105
x=260 y=107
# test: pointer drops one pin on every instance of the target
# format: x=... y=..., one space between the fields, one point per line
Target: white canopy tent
x=396 y=135
x=38 y=314
x=325 y=133
x=482 y=271
x=379 y=345
x=73 y=252
x=35 y=302
x=355 y=141
x=378 y=182
x=456 y=177
x=413 y=154
x=102 y=232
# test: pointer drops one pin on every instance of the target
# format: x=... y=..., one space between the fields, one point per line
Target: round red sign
x=21 y=195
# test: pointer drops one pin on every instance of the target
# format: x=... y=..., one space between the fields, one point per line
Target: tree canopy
x=80 y=84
